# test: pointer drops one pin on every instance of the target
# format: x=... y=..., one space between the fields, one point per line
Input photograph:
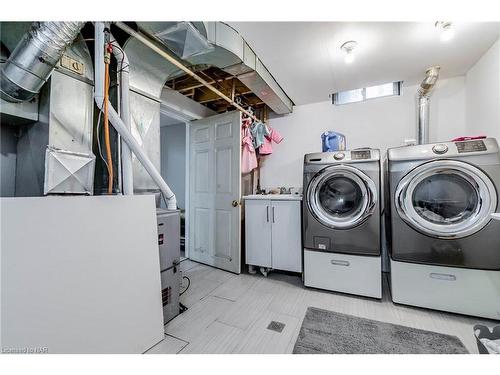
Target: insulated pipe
x=119 y=125
x=186 y=70
x=126 y=155
x=423 y=97
x=34 y=58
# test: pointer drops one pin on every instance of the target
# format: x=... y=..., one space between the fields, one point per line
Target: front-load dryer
x=445 y=247
x=341 y=222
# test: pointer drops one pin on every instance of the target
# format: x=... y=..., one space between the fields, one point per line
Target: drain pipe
x=423 y=97
x=126 y=155
x=119 y=125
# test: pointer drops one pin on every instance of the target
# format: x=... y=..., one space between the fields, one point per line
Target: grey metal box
x=169 y=249
x=170 y=289
x=169 y=231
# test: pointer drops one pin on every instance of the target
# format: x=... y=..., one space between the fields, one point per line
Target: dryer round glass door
x=446 y=199
x=341 y=196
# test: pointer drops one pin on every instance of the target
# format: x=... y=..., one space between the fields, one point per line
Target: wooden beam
x=207 y=97
x=193 y=84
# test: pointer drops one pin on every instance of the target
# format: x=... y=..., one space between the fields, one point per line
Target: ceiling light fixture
x=348 y=49
x=446 y=29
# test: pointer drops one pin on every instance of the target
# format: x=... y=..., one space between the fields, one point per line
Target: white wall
x=482 y=84
x=173 y=159
x=378 y=123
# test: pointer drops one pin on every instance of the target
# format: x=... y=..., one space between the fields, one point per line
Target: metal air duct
x=205 y=44
x=195 y=44
x=34 y=58
x=54 y=154
x=423 y=96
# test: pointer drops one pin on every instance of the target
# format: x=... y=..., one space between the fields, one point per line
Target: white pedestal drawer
x=459 y=290
x=353 y=274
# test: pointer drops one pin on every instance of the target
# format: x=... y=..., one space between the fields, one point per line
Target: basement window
x=366 y=93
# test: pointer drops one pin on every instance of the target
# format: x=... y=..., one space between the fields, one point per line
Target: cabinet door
x=258 y=232
x=286 y=236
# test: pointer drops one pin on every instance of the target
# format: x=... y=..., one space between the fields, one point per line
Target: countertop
x=275 y=197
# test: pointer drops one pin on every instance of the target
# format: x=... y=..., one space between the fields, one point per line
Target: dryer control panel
x=471 y=146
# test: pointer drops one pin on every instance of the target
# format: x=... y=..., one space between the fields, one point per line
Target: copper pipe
x=106 y=128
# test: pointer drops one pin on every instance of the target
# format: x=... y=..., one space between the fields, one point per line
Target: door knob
x=235 y=203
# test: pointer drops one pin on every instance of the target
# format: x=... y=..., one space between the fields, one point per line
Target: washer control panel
x=471 y=146
x=440 y=149
x=360 y=155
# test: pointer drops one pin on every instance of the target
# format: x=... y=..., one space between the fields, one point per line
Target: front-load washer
x=341 y=222
x=445 y=247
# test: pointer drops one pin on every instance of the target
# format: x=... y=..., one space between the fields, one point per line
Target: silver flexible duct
x=423 y=96
x=34 y=58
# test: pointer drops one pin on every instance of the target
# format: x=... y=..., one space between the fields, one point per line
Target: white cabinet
x=273 y=232
x=258 y=233
x=286 y=236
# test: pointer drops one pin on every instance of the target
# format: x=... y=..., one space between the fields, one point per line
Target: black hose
x=189 y=284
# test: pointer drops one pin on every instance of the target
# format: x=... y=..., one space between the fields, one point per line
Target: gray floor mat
x=327 y=332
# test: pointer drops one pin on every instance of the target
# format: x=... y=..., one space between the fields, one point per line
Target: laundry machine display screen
x=360 y=155
x=471 y=146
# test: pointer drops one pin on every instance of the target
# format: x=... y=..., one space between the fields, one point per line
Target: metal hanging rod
x=141 y=38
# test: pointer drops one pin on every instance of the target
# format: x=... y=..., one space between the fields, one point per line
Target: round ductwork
x=33 y=60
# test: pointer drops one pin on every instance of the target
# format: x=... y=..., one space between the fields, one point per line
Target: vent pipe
x=120 y=126
x=34 y=58
x=423 y=96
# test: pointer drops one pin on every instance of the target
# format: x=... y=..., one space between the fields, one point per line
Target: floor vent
x=276 y=326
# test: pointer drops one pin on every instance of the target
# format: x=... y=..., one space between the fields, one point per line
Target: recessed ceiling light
x=348 y=49
x=446 y=29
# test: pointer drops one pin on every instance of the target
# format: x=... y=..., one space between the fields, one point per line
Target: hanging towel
x=267 y=147
x=248 y=157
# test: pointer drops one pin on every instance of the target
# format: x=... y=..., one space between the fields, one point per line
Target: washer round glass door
x=341 y=196
x=446 y=199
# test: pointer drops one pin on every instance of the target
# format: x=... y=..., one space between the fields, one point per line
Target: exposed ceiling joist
x=229 y=85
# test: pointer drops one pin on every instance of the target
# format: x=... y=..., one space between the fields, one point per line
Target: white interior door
x=215 y=190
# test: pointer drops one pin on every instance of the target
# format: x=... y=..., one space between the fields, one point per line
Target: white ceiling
x=306 y=60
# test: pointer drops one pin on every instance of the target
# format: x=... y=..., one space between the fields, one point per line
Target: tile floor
x=230 y=313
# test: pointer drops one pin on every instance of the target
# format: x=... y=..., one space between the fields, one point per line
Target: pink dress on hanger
x=248 y=156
